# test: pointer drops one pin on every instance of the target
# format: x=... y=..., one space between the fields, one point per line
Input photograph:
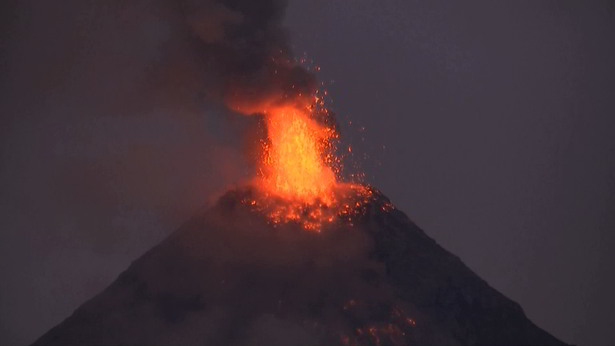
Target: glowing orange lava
x=297 y=157
x=299 y=173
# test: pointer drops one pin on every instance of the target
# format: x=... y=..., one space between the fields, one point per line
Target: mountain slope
x=227 y=277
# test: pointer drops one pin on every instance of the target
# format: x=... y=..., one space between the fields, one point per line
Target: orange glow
x=299 y=173
x=297 y=157
x=392 y=331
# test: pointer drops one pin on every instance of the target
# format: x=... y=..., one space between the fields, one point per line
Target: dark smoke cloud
x=245 y=50
x=245 y=45
x=115 y=128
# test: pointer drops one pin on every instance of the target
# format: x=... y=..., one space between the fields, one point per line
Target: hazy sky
x=498 y=121
x=491 y=124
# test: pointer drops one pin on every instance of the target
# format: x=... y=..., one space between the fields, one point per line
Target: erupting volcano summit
x=297 y=257
x=230 y=276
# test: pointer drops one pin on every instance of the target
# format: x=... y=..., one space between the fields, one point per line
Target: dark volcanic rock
x=228 y=277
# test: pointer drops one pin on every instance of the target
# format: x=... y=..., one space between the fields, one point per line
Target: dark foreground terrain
x=228 y=277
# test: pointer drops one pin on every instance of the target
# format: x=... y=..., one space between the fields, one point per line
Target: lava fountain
x=299 y=175
x=297 y=157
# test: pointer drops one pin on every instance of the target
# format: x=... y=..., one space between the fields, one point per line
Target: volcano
x=230 y=276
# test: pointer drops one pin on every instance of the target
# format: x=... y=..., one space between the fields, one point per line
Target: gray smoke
x=115 y=129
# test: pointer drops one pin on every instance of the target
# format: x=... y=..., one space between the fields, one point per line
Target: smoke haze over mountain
x=104 y=131
x=497 y=123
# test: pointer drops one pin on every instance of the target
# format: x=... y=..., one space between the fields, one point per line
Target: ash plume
x=247 y=52
x=115 y=120
x=117 y=117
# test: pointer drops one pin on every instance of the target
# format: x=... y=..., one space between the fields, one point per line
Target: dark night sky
x=489 y=123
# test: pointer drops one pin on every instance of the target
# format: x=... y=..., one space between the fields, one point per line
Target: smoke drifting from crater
x=115 y=121
x=247 y=50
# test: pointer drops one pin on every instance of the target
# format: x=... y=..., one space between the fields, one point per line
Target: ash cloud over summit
x=122 y=116
x=247 y=50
